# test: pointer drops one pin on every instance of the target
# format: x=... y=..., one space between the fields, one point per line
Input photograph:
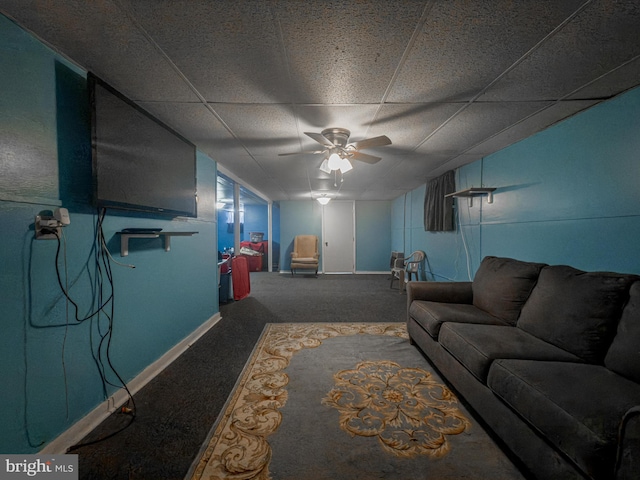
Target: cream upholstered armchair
x=305 y=253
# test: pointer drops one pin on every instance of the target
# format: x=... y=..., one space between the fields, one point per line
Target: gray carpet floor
x=176 y=410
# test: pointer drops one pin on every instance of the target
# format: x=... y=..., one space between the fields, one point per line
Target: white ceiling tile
x=345 y=52
x=476 y=123
x=529 y=126
x=597 y=40
x=447 y=82
x=463 y=46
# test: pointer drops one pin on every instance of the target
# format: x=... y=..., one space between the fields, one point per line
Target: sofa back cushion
x=502 y=285
x=623 y=356
x=575 y=310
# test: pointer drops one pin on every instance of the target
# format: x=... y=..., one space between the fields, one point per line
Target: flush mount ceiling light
x=323 y=200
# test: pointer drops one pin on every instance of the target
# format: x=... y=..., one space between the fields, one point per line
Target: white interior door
x=338 y=237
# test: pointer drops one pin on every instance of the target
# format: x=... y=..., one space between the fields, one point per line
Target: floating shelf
x=474 y=192
x=125 y=236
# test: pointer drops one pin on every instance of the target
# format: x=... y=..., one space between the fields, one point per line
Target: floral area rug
x=345 y=400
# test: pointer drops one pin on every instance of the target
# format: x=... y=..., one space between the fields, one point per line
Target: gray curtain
x=438 y=210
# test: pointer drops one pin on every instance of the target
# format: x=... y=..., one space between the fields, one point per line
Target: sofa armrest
x=628 y=458
x=445 y=292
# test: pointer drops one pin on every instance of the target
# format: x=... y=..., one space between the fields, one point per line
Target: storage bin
x=256 y=236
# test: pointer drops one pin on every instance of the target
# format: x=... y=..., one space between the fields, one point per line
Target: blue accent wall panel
x=398 y=224
x=27 y=85
x=587 y=244
x=47 y=358
x=297 y=218
x=275 y=235
x=226 y=238
x=256 y=219
x=373 y=231
x=373 y=236
x=567 y=195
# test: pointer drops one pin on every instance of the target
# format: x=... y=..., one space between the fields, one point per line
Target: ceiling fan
x=338 y=151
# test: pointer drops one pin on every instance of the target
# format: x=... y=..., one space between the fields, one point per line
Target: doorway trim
x=325 y=225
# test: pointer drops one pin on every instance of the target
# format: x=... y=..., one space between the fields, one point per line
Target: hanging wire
x=102 y=353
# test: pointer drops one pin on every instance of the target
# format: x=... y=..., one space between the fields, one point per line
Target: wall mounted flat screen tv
x=139 y=163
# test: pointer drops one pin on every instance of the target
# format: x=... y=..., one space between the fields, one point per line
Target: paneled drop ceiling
x=448 y=81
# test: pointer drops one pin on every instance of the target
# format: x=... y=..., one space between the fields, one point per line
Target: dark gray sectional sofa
x=548 y=356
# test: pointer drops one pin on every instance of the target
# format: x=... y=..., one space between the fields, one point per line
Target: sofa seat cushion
x=623 y=356
x=501 y=286
x=578 y=407
x=431 y=315
x=477 y=346
x=575 y=310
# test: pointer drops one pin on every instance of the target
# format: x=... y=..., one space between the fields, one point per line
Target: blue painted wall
x=297 y=218
x=256 y=219
x=48 y=366
x=225 y=237
x=373 y=231
x=568 y=195
x=373 y=236
x=275 y=235
x=407 y=227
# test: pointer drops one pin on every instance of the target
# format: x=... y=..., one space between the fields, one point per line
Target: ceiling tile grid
x=449 y=82
x=345 y=51
x=475 y=123
x=229 y=50
x=465 y=45
x=599 y=38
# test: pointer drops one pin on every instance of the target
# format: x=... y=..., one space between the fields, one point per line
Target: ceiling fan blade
x=363 y=157
x=380 y=141
x=303 y=152
x=320 y=139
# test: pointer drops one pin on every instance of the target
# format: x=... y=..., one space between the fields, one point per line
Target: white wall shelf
x=126 y=236
x=474 y=192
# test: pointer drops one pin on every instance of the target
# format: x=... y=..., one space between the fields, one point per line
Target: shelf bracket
x=469 y=193
x=126 y=236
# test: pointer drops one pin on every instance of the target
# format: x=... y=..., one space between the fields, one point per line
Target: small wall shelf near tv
x=474 y=192
x=125 y=236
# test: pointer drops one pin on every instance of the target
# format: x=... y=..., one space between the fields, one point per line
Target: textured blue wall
x=373 y=236
x=297 y=218
x=373 y=231
x=225 y=238
x=256 y=219
x=568 y=195
x=275 y=235
x=47 y=361
x=407 y=227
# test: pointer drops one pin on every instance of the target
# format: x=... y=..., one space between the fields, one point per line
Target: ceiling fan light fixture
x=345 y=165
x=325 y=166
x=335 y=161
x=323 y=200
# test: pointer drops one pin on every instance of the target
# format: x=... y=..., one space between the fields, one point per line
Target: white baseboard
x=89 y=422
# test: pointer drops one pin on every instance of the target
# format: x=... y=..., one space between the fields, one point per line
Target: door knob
x=326 y=244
